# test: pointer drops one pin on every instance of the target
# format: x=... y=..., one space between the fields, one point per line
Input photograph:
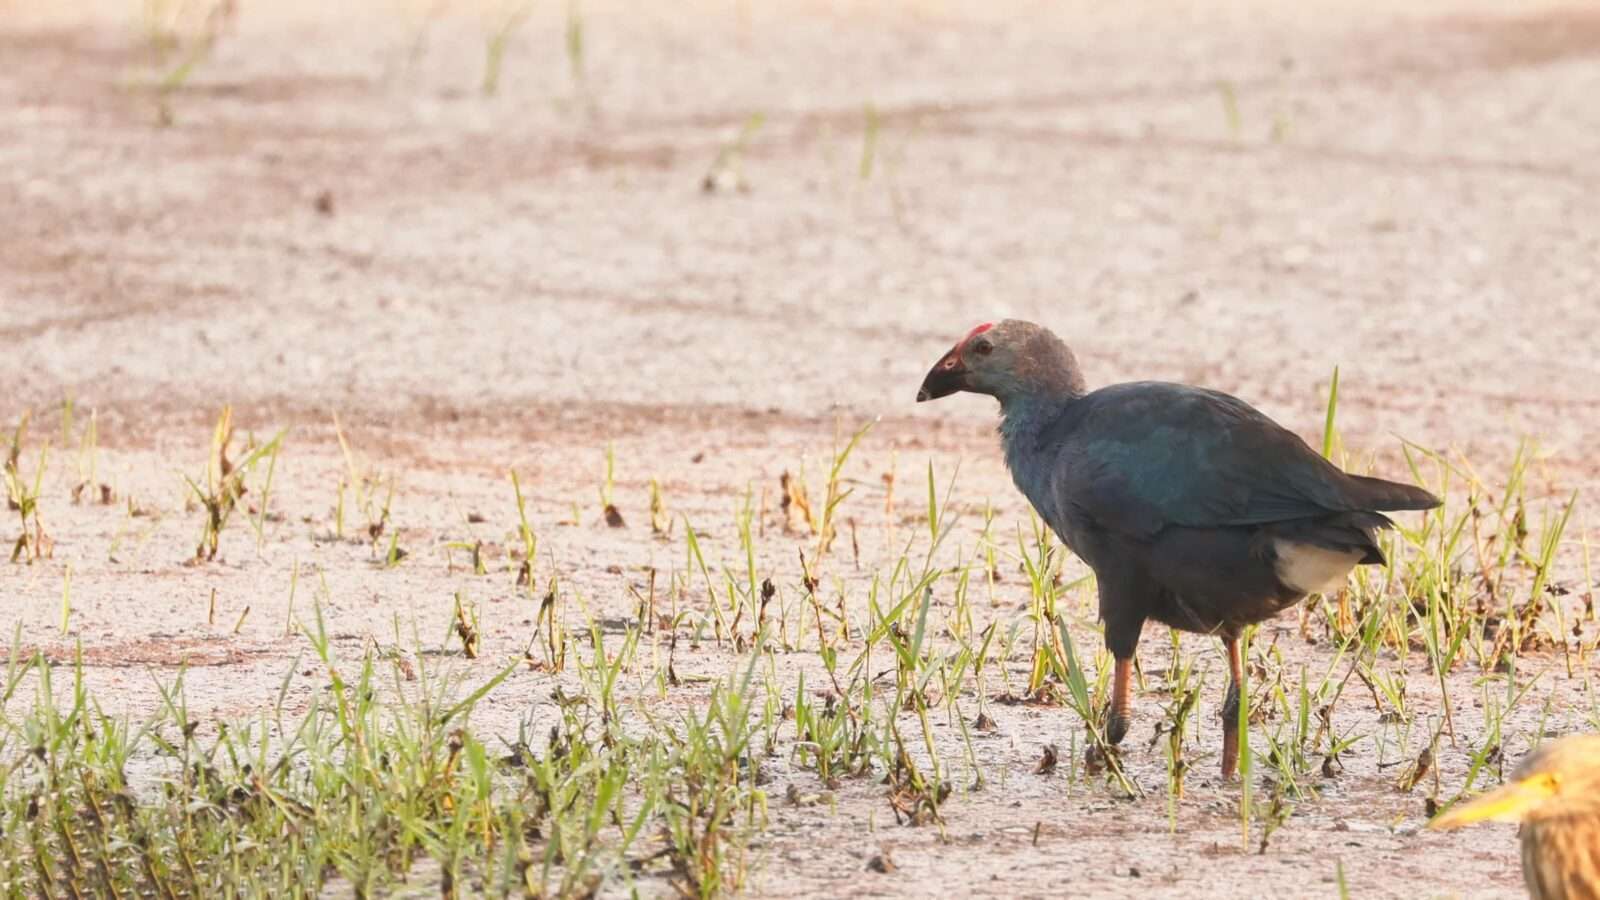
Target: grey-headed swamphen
x=1193 y=508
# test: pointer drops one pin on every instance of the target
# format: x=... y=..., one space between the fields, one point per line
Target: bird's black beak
x=945 y=378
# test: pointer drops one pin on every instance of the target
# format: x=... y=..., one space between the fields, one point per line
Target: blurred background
x=454 y=208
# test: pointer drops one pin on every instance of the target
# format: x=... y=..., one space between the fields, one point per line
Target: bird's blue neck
x=1023 y=417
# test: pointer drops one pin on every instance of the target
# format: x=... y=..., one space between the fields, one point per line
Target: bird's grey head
x=1007 y=360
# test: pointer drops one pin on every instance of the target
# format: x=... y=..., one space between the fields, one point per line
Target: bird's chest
x=1032 y=478
x=1041 y=468
x=1037 y=484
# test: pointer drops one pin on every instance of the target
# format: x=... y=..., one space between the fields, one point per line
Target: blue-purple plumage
x=1142 y=457
x=1192 y=507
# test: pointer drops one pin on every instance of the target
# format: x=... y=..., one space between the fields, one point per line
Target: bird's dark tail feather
x=1340 y=532
x=1377 y=494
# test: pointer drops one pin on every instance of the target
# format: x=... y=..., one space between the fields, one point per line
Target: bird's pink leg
x=1117 y=721
x=1230 y=710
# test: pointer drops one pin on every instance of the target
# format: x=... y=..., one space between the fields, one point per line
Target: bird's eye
x=982 y=347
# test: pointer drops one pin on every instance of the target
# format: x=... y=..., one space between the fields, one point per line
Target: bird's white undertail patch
x=1311 y=569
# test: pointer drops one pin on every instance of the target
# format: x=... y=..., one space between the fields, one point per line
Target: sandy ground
x=337 y=220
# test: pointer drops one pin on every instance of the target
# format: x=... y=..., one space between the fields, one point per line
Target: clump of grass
x=574 y=43
x=876 y=158
x=608 y=508
x=88 y=483
x=726 y=172
x=1184 y=688
x=1229 y=95
x=794 y=500
x=474 y=551
x=466 y=627
x=550 y=622
x=364 y=487
x=1475 y=586
x=382 y=780
x=22 y=496
x=833 y=494
x=495 y=45
x=170 y=31
x=66 y=599
x=915 y=795
x=1329 y=435
x=224 y=483
x=660 y=521
x=795 y=503
x=530 y=541
x=711 y=802
x=869 y=142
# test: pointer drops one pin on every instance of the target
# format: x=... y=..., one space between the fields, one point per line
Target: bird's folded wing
x=1154 y=456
